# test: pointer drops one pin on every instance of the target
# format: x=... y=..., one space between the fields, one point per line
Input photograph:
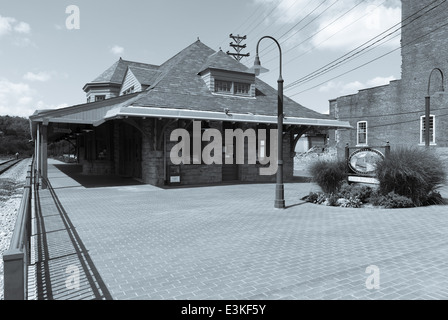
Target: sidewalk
x=228 y=242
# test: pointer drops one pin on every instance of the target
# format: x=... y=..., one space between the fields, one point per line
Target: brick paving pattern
x=228 y=242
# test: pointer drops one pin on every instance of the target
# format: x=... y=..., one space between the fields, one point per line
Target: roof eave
x=153 y=112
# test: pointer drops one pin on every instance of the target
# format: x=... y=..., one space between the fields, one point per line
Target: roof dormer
x=138 y=79
x=224 y=75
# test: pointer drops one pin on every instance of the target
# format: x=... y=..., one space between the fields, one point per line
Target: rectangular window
x=241 y=88
x=362 y=133
x=223 y=86
x=100 y=98
x=432 y=136
x=129 y=91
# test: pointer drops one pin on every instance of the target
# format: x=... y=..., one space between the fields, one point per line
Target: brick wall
x=393 y=112
x=374 y=106
x=156 y=160
x=251 y=172
x=152 y=159
x=203 y=174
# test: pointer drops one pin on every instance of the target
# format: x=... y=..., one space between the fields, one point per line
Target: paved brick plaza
x=228 y=242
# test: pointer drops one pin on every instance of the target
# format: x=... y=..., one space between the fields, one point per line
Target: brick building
x=395 y=112
x=132 y=108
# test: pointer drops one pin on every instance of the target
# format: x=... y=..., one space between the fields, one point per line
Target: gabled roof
x=180 y=87
x=146 y=76
x=116 y=72
x=176 y=90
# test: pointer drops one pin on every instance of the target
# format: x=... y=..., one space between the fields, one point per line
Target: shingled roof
x=180 y=87
x=178 y=91
x=223 y=61
x=116 y=72
x=146 y=76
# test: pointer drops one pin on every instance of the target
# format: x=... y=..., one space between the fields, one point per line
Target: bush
x=312 y=197
x=332 y=200
x=328 y=174
x=413 y=173
x=434 y=198
x=392 y=201
x=352 y=202
x=362 y=192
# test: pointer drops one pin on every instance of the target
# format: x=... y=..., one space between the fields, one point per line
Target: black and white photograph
x=224 y=156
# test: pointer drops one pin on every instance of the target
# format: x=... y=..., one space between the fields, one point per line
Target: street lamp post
x=428 y=107
x=279 y=189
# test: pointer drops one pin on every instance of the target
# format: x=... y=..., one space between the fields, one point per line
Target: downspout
x=164 y=158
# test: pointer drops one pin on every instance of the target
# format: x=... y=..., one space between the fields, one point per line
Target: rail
x=6 y=165
x=17 y=257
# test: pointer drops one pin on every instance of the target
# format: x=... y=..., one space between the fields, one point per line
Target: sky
x=46 y=56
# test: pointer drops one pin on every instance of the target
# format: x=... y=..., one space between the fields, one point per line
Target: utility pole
x=238 y=47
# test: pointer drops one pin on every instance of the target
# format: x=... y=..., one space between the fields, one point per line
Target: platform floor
x=113 y=238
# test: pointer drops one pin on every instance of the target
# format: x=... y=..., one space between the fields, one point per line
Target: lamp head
x=257 y=68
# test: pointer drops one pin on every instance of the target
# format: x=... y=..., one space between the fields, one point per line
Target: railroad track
x=5 y=166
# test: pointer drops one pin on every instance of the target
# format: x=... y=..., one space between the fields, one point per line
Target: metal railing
x=16 y=259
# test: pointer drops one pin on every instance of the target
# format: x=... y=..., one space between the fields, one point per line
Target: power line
x=350 y=55
x=353 y=56
x=293 y=17
x=315 y=74
x=322 y=29
x=290 y=19
x=401 y=122
x=373 y=60
x=241 y=25
x=271 y=44
x=269 y=25
x=391 y=114
x=264 y=18
x=353 y=52
x=292 y=28
x=314 y=47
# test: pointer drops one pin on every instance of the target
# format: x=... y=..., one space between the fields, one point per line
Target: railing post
x=14 y=280
x=16 y=259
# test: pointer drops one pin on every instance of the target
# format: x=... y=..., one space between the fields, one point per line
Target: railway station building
x=132 y=108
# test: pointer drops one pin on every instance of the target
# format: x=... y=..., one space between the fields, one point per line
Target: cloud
x=6 y=25
x=17 y=30
x=117 y=50
x=10 y=25
x=41 y=105
x=345 y=25
x=40 y=77
x=20 y=99
x=16 y=98
x=348 y=33
x=380 y=81
x=340 y=88
x=22 y=27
